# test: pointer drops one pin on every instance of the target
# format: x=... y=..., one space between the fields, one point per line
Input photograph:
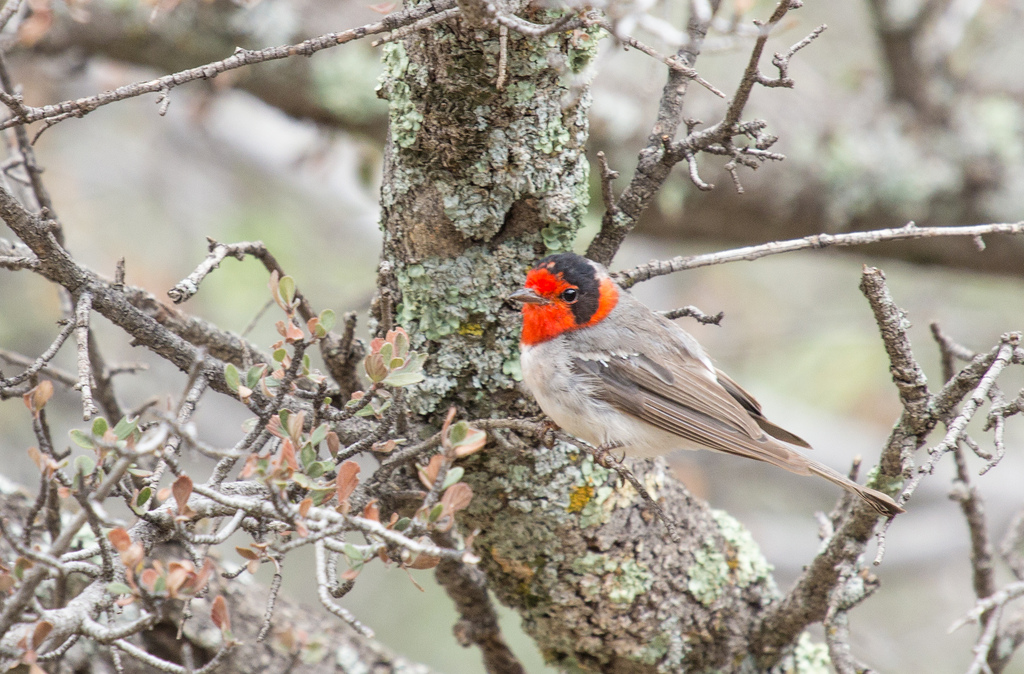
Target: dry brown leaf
x=347 y=481
x=456 y=498
x=120 y=539
x=219 y=614
x=182 y=489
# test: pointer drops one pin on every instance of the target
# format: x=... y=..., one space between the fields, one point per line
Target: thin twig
x=693 y=312
x=644 y=272
x=84 y=386
x=275 y=586
x=11 y=8
x=502 y=78
x=241 y=58
x=672 y=62
x=535 y=30
x=607 y=176
x=425 y=22
x=40 y=362
x=325 y=596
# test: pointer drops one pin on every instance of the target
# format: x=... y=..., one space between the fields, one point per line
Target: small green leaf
x=315 y=469
x=143 y=497
x=401 y=343
x=367 y=411
x=376 y=370
x=81 y=439
x=403 y=378
x=139 y=472
x=318 y=434
x=353 y=553
x=125 y=427
x=327 y=319
x=453 y=476
x=387 y=351
x=321 y=495
x=99 y=426
x=116 y=589
x=302 y=480
x=306 y=363
x=85 y=465
x=283 y=416
x=403 y=524
x=231 y=377
x=458 y=432
x=435 y=513
x=252 y=377
x=307 y=456
x=287 y=289
x=280 y=354
x=160 y=585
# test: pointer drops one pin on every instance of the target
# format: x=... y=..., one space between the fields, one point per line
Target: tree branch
x=644 y=272
x=57 y=112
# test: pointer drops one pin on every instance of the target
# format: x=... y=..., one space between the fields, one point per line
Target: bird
x=608 y=370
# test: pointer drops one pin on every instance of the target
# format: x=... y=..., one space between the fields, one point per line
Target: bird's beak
x=527 y=296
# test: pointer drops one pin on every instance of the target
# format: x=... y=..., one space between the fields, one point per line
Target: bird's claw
x=603 y=455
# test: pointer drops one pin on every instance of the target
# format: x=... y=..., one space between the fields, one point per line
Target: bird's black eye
x=569 y=295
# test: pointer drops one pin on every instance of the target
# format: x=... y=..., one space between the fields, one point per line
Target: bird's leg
x=604 y=457
x=547 y=436
x=627 y=475
x=601 y=457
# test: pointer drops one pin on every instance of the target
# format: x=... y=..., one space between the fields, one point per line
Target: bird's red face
x=562 y=293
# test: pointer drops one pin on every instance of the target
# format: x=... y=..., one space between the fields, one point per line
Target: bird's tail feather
x=882 y=503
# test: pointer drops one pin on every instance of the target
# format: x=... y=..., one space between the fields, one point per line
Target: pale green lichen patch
x=459 y=300
x=744 y=556
x=739 y=564
x=605 y=492
x=621 y=581
x=404 y=116
x=809 y=657
x=709 y=575
x=888 y=485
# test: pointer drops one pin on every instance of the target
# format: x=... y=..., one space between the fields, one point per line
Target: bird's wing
x=685 y=398
x=754 y=408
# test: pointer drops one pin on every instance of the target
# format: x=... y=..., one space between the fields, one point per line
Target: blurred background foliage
x=290 y=152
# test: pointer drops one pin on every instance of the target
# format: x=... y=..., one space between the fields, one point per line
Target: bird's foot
x=603 y=455
x=548 y=432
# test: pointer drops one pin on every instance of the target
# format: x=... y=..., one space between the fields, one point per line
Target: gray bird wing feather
x=687 y=404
